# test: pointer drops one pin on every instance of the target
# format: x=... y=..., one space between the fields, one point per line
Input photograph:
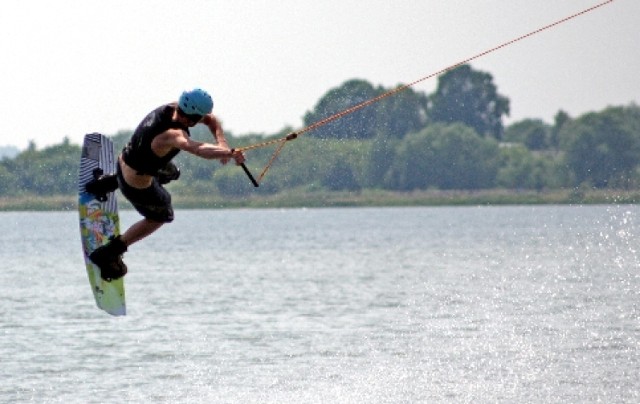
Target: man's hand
x=238 y=156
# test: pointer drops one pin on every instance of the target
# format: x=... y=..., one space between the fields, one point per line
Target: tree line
x=452 y=139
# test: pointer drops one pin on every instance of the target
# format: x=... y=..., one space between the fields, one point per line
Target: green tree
x=603 y=148
x=559 y=120
x=533 y=133
x=403 y=112
x=341 y=164
x=469 y=96
x=53 y=170
x=382 y=154
x=7 y=180
x=357 y=125
x=340 y=176
x=395 y=115
x=445 y=157
x=232 y=183
x=521 y=168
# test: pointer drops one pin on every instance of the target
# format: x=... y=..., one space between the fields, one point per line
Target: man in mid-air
x=145 y=165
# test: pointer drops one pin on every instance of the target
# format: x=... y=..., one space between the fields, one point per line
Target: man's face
x=189 y=120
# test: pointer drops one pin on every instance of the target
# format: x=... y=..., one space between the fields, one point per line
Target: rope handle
x=246 y=171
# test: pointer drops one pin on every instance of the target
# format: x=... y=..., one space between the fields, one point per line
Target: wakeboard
x=99 y=219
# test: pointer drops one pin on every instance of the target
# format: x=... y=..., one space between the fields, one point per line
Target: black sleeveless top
x=138 y=154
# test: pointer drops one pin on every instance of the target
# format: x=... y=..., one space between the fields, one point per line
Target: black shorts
x=154 y=202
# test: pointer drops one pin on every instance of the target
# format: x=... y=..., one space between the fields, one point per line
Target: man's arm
x=177 y=139
x=215 y=127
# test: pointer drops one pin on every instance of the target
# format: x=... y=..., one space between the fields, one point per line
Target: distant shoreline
x=365 y=198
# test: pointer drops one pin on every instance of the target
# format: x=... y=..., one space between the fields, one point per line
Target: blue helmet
x=195 y=102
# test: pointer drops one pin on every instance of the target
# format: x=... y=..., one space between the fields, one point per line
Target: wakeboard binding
x=102 y=184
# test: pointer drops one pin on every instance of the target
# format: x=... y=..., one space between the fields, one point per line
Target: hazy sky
x=77 y=66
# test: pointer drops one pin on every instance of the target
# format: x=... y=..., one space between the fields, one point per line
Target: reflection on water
x=504 y=304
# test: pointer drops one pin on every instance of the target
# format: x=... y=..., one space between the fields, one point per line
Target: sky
x=79 y=66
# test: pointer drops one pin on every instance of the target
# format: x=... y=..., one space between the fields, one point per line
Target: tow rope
x=294 y=135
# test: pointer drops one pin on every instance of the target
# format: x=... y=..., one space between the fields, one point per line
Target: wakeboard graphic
x=99 y=219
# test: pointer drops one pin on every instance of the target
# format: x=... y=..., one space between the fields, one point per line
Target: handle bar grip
x=246 y=171
x=253 y=180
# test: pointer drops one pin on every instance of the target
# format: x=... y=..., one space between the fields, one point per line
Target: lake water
x=393 y=305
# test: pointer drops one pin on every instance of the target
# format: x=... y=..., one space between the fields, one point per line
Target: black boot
x=109 y=259
x=102 y=185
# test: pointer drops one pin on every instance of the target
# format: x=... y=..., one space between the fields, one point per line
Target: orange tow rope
x=294 y=135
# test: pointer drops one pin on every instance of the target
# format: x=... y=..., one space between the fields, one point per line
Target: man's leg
x=139 y=230
x=109 y=257
x=153 y=202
